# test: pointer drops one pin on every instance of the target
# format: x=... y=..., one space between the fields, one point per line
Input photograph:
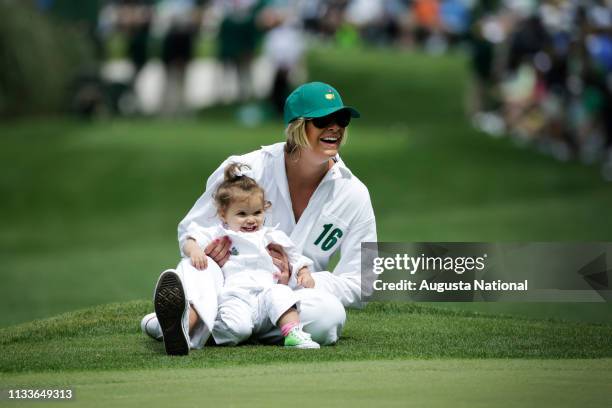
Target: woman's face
x=325 y=142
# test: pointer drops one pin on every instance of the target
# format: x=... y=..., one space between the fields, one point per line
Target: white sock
x=150 y=326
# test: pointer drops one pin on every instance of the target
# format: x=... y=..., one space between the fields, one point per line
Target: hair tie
x=243 y=171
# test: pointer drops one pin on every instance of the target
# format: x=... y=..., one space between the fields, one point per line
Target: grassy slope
x=90 y=209
x=426 y=356
x=108 y=337
x=90 y=212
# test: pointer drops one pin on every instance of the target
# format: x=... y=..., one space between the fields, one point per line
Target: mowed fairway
x=425 y=383
x=90 y=212
x=390 y=355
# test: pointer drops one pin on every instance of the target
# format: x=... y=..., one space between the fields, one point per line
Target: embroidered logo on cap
x=329 y=96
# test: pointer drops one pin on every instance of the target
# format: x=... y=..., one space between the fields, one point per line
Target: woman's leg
x=322 y=315
x=201 y=288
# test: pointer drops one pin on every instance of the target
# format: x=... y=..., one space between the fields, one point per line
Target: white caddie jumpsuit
x=251 y=300
x=339 y=217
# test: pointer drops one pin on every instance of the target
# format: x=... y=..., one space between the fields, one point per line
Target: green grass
x=430 y=383
x=90 y=212
x=90 y=208
x=109 y=337
x=389 y=355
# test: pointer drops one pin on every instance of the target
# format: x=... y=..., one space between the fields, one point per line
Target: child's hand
x=197 y=255
x=199 y=260
x=304 y=278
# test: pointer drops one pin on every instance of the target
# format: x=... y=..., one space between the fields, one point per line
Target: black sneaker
x=172 y=311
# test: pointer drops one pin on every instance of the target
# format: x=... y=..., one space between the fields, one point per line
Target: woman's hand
x=304 y=278
x=219 y=250
x=279 y=257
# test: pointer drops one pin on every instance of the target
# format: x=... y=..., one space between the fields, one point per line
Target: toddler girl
x=251 y=300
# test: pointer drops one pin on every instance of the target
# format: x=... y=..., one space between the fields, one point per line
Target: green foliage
x=39 y=59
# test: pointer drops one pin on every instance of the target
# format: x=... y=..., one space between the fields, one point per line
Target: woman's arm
x=209 y=241
x=345 y=281
x=286 y=258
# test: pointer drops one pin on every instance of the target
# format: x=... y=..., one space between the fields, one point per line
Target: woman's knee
x=322 y=315
x=196 y=281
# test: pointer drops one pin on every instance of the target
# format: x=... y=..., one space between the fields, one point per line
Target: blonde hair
x=296 y=136
x=298 y=139
x=236 y=187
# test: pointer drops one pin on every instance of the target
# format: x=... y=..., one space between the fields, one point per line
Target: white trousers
x=321 y=313
x=244 y=312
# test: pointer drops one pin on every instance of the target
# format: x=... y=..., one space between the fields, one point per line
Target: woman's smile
x=331 y=140
x=325 y=142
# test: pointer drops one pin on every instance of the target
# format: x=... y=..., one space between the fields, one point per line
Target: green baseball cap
x=314 y=100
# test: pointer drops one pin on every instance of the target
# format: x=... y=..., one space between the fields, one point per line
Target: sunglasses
x=341 y=118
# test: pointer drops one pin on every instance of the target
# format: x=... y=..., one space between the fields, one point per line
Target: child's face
x=245 y=215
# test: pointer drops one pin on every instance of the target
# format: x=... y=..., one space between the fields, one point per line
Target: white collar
x=275 y=149
x=338 y=170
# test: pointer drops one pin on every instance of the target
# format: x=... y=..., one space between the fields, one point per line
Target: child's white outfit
x=251 y=300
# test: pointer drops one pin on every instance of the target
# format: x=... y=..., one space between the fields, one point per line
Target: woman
x=316 y=200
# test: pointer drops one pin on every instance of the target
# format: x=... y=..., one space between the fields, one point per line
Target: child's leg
x=280 y=305
x=290 y=316
x=321 y=315
x=288 y=321
x=234 y=322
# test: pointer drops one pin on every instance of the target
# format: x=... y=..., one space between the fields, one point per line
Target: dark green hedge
x=40 y=58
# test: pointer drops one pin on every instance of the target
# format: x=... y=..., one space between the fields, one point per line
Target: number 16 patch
x=329 y=237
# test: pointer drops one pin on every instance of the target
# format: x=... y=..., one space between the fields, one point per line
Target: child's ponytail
x=235 y=185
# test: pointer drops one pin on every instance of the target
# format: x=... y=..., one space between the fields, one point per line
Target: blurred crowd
x=245 y=32
x=541 y=70
x=238 y=31
x=542 y=73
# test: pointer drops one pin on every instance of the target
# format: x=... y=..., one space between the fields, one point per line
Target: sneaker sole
x=169 y=308
x=304 y=347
